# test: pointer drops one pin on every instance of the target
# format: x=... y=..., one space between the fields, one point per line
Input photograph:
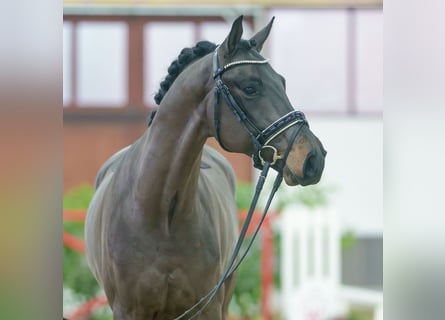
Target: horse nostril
x=310 y=166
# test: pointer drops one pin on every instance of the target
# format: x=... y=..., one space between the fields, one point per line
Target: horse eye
x=249 y=91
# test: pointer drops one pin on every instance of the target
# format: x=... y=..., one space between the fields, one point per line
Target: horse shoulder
x=217 y=194
x=213 y=158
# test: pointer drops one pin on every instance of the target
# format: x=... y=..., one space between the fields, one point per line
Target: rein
x=261 y=140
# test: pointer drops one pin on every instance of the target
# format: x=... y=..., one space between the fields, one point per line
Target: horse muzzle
x=304 y=167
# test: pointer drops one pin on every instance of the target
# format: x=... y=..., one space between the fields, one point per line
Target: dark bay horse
x=162 y=224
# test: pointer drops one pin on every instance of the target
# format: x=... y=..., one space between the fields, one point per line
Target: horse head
x=252 y=114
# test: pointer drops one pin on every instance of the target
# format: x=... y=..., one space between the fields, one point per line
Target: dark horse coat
x=162 y=224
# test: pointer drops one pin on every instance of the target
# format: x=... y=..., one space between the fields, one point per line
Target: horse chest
x=164 y=278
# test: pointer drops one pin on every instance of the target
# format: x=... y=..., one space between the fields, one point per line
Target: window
x=331 y=58
x=309 y=50
x=369 y=39
x=216 y=31
x=162 y=43
x=102 y=64
x=114 y=64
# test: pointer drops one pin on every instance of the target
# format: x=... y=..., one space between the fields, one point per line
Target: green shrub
x=78 y=280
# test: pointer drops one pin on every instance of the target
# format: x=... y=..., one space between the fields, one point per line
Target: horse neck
x=169 y=164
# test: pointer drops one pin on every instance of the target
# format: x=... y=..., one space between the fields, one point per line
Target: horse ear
x=260 y=37
x=229 y=44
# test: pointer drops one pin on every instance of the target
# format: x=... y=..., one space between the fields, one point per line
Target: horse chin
x=290 y=178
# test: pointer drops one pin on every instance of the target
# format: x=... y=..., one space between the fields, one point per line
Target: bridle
x=260 y=137
x=261 y=140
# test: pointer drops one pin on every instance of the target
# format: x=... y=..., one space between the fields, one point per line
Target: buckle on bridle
x=275 y=155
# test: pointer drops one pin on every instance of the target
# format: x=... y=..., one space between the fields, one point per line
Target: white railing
x=311 y=286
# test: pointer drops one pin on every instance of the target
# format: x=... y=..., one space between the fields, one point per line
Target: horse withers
x=162 y=224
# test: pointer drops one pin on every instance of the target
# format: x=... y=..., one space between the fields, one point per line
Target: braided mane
x=186 y=56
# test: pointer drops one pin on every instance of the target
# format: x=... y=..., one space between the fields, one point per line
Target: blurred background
x=321 y=253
